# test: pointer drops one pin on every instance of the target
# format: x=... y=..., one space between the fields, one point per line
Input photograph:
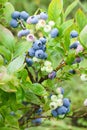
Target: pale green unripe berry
x=53 y=105
x=59 y=102
x=60 y=96
x=53 y=98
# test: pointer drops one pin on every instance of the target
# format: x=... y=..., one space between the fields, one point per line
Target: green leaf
x=81 y=19
x=8 y=88
x=16 y=64
x=31 y=97
x=83 y=36
x=8 y=10
x=65 y=26
x=5 y=52
x=7 y=38
x=70 y=8
x=3 y=1
x=21 y=48
x=55 y=9
x=38 y=89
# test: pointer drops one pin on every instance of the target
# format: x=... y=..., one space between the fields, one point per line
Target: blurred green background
x=75 y=89
x=32 y=5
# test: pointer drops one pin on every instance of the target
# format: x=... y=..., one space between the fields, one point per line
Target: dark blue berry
x=74 y=34
x=15 y=15
x=13 y=23
x=37 y=45
x=61 y=110
x=37 y=121
x=66 y=102
x=72 y=71
x=39 y=111
x=24 y=15
x=54 y=32
x=34 y=19
x=44 y=48
x=74 y=45
x=52 y=75
x=77 y=60
x=43 y=40
x=54 y=113
x=43 y=15
x=39 y=54
x=31 y=52
x=29 y=61
x=23 y=33
x=62 y=90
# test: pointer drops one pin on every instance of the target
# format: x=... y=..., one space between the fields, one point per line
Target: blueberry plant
x=47 y=50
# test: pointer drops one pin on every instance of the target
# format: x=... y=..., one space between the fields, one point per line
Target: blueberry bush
x=38 y=53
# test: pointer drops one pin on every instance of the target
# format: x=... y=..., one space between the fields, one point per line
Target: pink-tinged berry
x=30 y=38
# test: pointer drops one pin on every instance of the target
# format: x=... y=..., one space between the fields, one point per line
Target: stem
x=22 y=24
x=30 y=75
x=62 y=64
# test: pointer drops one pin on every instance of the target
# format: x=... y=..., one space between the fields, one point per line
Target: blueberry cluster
x=17 y=16
x=75 y=45
x=37 y=121
x=37 y=50
x=59 y=105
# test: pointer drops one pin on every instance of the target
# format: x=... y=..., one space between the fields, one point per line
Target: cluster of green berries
x=59 y=105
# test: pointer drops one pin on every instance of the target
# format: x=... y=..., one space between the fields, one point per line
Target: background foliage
x=72 y=87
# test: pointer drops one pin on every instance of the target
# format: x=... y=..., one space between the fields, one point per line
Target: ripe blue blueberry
x=33 y=19
x=15 y=15
x=73 y=34
x=45 y=56
x=43 y=15
x=54 y=32
x=37 y=45
x=61 y=110
x=66 y=102
x=54 y=113
x=24 y=15
x=29 y=61
x=44 y=48
x=13 y=23
x=74 y=45
x=39 y=54
x=23 y=33
x=37 y=121
x=72 y=71
x=43 y=40
x=31 y=52
x=39 y=111
x=68 y=109
x=78 y=60
x=52 y=75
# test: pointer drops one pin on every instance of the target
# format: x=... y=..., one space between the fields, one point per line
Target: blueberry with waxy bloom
x=54 y=33
x=43 y=15
x=52 y=75
x=15 y=15
x=73 y=34
x=24 y=15
x=14 y=23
